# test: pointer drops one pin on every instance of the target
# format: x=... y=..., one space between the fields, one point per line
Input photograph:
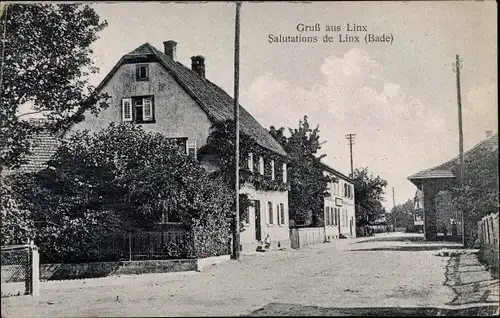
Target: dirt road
x=385 y=271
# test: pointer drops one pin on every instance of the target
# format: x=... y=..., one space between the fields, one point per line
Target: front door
x=258 y=231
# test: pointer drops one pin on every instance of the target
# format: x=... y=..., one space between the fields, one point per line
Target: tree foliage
x=402 y=214
x=45 y=66
x=120 y=178
x=308 y=184
x=478 y=196
x=368 y=195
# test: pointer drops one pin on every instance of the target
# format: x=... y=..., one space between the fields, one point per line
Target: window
x=272 y=170
x=147 y=109
x=142 y=72
x=249 y=214
x=281 y=213
x=270 y=212
x=139 y=109
x=284 y=173
x=261 y=166
x=169 y=214
x=191 y=148
x=250 y=161
x=127 y=109
x=345 y=190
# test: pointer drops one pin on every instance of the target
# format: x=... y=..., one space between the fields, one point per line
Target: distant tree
x=45 y=64
x=479 y=195
x=369 y=191
x=308 y=184
x=402 y=214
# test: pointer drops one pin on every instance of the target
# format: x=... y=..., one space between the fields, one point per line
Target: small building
x=433 y=185
x=339 y=207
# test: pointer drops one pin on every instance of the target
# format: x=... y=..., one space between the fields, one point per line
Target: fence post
x=35 y=271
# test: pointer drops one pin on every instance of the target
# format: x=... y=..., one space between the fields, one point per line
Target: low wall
x=306 y=236
x=102 y=269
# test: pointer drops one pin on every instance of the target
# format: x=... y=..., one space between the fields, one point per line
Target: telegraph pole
x=351 y=137
x=394 y=207
x=460 y=138
x=236 y=234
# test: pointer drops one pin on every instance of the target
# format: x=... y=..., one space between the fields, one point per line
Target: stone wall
x=102 y=269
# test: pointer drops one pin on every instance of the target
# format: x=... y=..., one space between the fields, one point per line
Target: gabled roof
x=214 y=101
x=335 y=172
x=445 y=170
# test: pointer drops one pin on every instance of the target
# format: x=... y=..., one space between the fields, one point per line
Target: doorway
x=258 y=230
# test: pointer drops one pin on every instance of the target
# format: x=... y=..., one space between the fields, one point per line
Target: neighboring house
x=340 y=218
x=43 y=147
x=151 y=88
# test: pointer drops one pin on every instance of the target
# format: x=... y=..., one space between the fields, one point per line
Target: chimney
x=198 y=65
x=170 y=49
x=489 y=133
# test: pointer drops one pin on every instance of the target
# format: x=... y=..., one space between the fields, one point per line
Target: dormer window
x=142 y=72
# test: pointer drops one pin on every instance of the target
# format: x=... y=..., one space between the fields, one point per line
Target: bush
x=119 y=179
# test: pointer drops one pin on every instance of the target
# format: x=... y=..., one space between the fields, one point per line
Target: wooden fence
x=488 y=233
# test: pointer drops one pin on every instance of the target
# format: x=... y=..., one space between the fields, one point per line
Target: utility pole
x=351 y=137
x=394 y=207
x=236 y=234
x=456 y=69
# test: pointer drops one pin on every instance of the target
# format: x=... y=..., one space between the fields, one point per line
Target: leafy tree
x=308 y=184
x=478 y=196
x=120 y=178
x=368 y=195
x=402 y=214
x=45 y=65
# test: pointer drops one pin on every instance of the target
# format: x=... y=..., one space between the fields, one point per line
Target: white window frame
x=284 y=173
x=191 y=144
x=147 y=102
x=272 y=170
x=127 y=104
x=261 y=165
x=250 y=161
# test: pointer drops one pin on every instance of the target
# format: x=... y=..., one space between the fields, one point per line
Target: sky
x=399 y=98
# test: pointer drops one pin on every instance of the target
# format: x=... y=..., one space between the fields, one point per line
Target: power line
x=351 y=137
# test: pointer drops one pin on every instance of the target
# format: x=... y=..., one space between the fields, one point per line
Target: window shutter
x=250 y=161
x=127 y=109
x=261 y=165
x=147 y=109
x=284 y=173
x=272 y=170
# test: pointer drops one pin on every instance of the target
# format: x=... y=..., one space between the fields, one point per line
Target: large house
x=151 y=88
x=340 y=218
